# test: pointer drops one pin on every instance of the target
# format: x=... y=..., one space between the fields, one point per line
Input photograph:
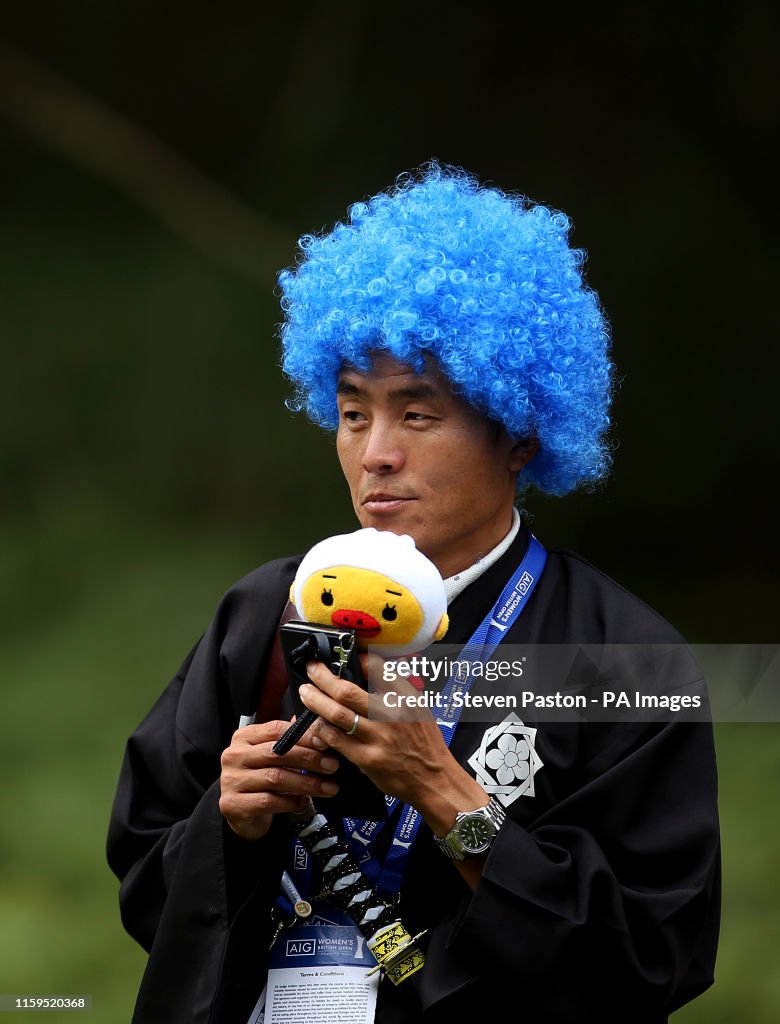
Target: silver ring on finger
x=355 y=724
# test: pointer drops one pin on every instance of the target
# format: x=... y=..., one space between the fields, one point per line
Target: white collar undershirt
x=456 y=584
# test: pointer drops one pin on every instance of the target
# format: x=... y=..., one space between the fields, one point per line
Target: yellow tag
x=394 y=950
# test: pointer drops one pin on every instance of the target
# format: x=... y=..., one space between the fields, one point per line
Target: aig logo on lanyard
x=301 y=858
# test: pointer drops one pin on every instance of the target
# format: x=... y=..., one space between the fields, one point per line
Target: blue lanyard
x=299 y=871
x=485 y=639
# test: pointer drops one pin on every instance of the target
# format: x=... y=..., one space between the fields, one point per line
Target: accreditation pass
x=318 y=972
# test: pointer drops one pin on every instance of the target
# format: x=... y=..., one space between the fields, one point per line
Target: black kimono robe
x=599 y=899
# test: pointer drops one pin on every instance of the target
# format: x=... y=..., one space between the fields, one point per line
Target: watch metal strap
x=450 y=845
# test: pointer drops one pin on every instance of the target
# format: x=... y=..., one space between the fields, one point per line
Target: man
x=447 y=335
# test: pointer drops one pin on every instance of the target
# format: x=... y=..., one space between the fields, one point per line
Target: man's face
x=420 y=460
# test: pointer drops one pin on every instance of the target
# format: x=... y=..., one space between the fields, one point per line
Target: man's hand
x=401 y=750
x=256 y=783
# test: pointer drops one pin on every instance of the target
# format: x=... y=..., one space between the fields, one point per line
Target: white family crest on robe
x=506 y=760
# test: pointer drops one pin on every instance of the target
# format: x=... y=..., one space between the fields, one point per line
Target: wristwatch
x=473 y=831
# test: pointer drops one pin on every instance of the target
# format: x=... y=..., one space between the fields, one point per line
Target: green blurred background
x=158 y=162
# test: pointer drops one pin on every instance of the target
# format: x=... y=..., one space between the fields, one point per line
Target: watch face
x=475 y=834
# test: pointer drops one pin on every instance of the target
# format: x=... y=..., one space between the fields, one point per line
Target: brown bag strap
x=275 y=681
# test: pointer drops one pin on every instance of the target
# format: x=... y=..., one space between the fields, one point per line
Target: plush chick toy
x=376 y=583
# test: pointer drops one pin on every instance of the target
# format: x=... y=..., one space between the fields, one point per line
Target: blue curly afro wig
x=483 y=281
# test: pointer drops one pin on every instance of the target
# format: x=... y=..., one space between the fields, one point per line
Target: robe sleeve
x=192 y=894
x=608 y=904
x=605 y=905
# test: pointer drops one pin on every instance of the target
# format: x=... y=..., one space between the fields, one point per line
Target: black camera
x=337 y=648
